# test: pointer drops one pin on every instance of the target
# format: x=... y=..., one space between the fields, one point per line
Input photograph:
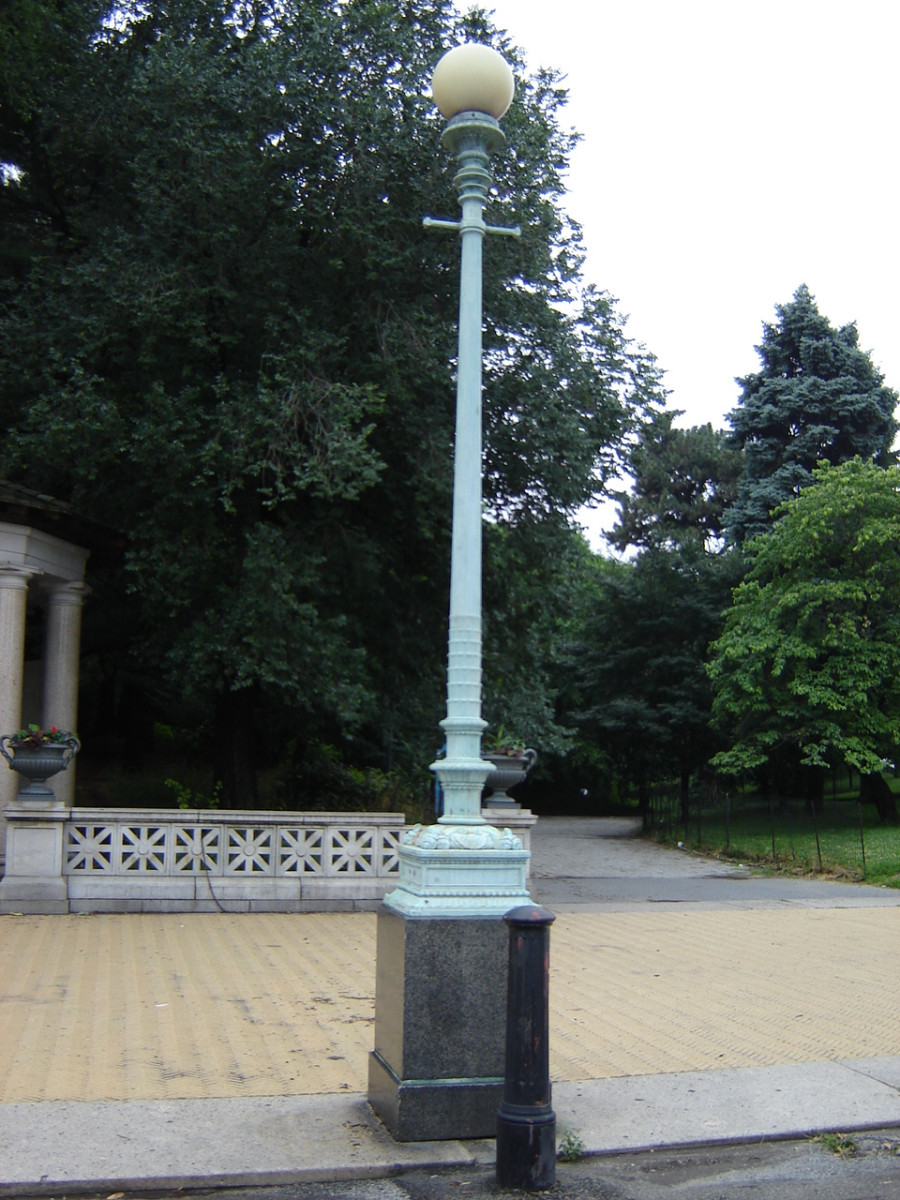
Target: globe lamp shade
x=472 y=78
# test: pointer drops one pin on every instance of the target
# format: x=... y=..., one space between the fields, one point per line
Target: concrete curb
x=54 y=1146
x=613 y=1116
x=81 y=1147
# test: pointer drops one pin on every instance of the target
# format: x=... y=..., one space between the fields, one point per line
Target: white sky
x=731 y=152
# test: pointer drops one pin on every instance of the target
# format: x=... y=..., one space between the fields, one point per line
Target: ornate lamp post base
x=440 y=990
x=460 y=871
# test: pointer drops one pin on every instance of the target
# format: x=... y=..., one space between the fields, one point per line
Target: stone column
x=13 y=595
x=62 y=646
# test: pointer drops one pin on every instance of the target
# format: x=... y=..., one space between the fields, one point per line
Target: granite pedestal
x=440 y=1025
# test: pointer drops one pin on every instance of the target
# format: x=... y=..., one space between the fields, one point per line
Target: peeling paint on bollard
x=526 y=1122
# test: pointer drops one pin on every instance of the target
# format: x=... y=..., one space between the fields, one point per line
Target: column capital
x=16 y=578
x=73 y=593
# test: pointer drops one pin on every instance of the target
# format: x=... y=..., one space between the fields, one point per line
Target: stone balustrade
x=72 y=860
x=164 y=860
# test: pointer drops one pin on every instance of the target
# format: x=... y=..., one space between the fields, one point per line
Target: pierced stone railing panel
x=89 y=848
x=301 y=852
x=195 y=848
x=271 y=845
x=249 y=850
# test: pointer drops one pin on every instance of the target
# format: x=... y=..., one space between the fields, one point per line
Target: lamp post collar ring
x=473 y=131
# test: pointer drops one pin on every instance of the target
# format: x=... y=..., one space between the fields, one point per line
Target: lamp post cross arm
x=437 y=223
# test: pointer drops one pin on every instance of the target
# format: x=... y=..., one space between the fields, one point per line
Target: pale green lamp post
x=463 y=865
x=436 y=1070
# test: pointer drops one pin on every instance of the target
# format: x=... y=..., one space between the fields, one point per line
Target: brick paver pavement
x=132 y=1006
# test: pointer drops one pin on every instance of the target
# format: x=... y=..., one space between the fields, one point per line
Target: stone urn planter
x=38 y=756
x=510 y=769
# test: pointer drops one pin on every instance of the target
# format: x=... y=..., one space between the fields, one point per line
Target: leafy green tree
x=809 y=660
x=817 y=398
x=225 y=329
x=533 y=581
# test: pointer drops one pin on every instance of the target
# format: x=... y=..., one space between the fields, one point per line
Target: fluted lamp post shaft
x=462 y=773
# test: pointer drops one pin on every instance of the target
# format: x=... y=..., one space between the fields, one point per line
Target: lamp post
x=463 y=865
x=472 y=87
x=440 y=987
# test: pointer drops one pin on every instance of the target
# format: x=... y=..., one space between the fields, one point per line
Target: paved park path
x=591 y=863
x=660 y=962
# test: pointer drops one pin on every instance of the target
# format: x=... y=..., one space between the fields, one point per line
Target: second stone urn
x=509 y=771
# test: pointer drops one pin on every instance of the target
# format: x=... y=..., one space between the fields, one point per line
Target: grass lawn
x=784 y=839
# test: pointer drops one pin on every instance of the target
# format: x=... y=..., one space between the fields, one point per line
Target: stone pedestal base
x=440 y=1025
x=34 y=880
x=31 y=894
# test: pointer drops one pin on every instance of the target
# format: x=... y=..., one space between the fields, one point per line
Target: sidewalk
x=165 y=1051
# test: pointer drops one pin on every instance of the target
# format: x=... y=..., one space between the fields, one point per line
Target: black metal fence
x=839 y=835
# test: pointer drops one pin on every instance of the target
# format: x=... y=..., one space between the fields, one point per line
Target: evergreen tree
x=683 y=481
x=817 y=398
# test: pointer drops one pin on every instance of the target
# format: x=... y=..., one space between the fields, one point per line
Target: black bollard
x=526 y=1123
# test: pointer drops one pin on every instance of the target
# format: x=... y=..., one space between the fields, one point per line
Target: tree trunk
x=874 y=790
x=235 y=747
